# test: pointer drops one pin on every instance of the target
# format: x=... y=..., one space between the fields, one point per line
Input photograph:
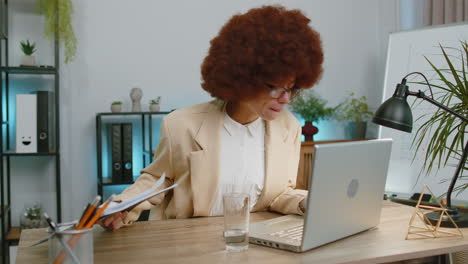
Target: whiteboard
x=406 y=51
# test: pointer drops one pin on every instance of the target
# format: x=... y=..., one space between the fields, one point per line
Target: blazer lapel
x=204 y=163
x=275 y=168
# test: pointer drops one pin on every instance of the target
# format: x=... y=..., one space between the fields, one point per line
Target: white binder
x=26 y=123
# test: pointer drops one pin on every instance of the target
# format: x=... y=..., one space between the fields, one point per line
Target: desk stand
x=420 y=227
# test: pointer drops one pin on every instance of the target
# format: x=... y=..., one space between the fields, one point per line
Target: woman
x=245 y=140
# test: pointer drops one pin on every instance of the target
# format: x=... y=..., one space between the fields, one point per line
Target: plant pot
x=356 y=130
x=28 y=61
x=309 y=130
x=115 y=108
x=154 y=107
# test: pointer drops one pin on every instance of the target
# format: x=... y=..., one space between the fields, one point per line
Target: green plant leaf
x=353 y=109
x=27 y=47
x=311 y=107
x=454 y=73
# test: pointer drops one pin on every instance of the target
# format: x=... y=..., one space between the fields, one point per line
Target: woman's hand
x=114 y=221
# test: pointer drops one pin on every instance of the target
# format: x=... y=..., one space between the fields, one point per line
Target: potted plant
x=28 y=49
x=58 y=24
x=311 y=108
x=154 y=105
x=445 y=132
x=116 y=106
x=356 y=111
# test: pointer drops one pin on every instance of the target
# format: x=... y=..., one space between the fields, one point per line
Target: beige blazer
x=188 y=152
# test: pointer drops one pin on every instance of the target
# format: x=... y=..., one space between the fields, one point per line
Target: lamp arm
x=462 y=161
x=424 y=76
x=421 y=95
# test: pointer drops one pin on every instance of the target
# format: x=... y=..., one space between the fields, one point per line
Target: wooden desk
x=199 y=240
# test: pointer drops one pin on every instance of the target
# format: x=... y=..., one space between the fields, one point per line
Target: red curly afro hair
x=264 y=45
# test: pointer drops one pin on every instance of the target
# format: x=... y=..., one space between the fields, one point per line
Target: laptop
x=346 y=189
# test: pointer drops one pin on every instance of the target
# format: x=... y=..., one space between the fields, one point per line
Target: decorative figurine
x=136 y=94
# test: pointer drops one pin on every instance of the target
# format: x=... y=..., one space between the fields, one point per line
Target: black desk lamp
x=396 y=113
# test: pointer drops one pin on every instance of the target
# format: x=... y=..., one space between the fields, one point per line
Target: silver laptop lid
x=345 y=190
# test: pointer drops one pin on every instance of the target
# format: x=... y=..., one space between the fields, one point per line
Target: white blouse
x=242 y=163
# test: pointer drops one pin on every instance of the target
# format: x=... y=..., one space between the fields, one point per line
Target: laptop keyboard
x=294 y=233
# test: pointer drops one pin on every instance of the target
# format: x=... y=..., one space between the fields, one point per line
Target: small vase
x=28 y=61
x=154 y=107
x=309 y=130
x=115 y=108
x=31 y=216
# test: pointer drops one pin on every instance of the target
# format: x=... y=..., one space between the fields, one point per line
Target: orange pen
x=99 y=212
x=89 y=211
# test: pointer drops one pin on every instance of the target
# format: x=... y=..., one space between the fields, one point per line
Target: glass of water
x=236 y=221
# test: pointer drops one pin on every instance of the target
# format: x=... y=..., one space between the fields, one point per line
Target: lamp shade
x=395 y=112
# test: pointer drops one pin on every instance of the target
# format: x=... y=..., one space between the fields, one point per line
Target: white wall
x=159 y=45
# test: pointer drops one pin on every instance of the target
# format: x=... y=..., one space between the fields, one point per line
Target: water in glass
x=236 y=239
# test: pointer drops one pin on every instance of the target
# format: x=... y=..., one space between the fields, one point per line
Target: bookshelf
x=32 y=79
x=145 y=138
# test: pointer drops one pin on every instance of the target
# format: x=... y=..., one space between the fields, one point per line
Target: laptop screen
x=345 y=189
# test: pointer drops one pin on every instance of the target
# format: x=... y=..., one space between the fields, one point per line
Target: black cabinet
x=19 y=171
x=125 y=143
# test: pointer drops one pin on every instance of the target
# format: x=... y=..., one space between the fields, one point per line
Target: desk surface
x=199 y=240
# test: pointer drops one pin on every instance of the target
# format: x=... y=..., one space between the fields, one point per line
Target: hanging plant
x=64 y=30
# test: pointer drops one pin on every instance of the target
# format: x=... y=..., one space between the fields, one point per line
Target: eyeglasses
x=277 y=92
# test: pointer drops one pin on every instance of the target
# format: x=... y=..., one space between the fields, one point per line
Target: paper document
x=134 y=201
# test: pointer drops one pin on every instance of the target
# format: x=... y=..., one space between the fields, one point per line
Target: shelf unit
x=10 y=234
x=145 y=122
x=30 y=70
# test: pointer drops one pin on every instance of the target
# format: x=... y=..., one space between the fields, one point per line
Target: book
x=127 y=205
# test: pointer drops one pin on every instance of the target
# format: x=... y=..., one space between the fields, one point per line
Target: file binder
x=44 y=121
x=127 y=153
x=26 y=123
x=115 y=138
